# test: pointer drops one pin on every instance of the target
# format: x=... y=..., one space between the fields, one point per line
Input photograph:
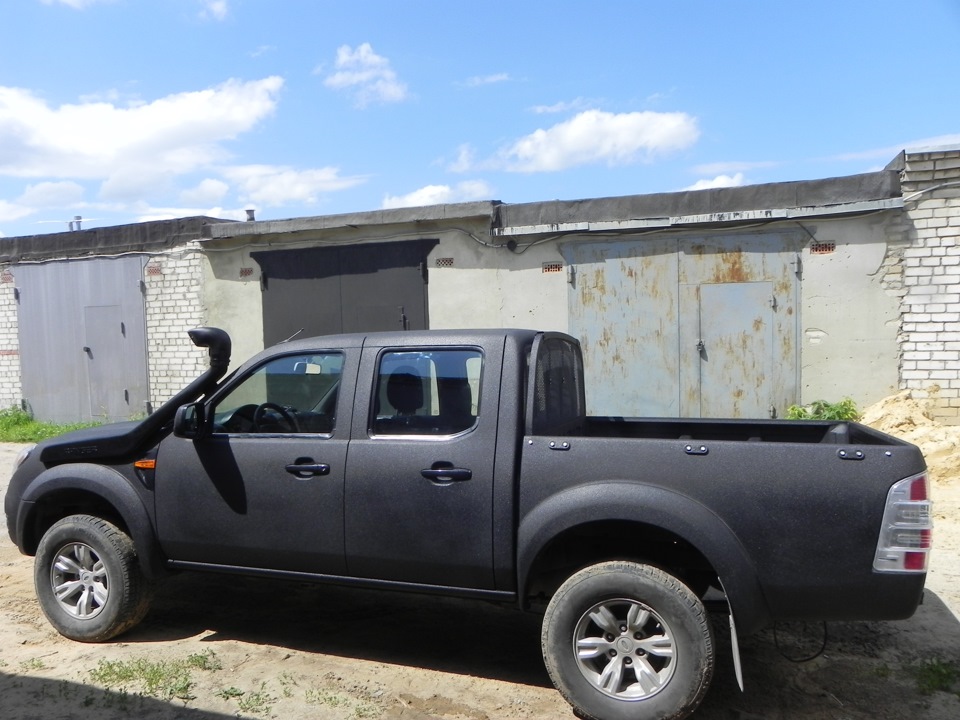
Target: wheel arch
x=685 y=534
x=84 y=488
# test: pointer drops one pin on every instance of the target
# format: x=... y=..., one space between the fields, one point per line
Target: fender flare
x=111 y=487
x=629 y=501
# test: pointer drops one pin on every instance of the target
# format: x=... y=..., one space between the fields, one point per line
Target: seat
x=405 y=391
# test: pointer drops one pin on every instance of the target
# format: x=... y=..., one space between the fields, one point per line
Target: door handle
x=446 y=473
x=306 y=468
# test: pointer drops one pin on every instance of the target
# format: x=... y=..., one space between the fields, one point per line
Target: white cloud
x=51 y=194
x=216 y=9
x=479 y=80
x=594 y=136
x=560 y=107
x=75 y=4
x=172 y=135
x=464 y=161
x=720 y=168
x=440 y=194
x=278 y=184
x=720 y=181
x=13 y=211
x=207 y=192
x=368 y=75
x=889 y=152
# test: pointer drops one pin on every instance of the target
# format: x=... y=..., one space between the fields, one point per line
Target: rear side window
x=427 y=392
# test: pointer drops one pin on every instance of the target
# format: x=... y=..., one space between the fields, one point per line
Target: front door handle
x=307 y=468
x=446 y=473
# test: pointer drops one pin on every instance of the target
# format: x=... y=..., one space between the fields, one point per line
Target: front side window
x=427 y=392
x=289 y=394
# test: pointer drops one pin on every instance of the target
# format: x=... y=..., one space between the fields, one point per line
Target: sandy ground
x=287 y=650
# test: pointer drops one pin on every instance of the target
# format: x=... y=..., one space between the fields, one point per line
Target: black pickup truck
x=463 y=463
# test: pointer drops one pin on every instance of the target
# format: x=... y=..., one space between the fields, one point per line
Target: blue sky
x=121 y=111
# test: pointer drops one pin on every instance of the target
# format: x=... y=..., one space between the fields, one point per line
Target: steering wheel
x=260 y=414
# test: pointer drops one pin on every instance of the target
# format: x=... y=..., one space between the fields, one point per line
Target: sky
x=123 y=111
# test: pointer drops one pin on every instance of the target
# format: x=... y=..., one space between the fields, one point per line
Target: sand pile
x=910 y=418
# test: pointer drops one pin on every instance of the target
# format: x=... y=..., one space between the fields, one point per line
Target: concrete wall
x=930 y=337
x=470 y=284
x=850 y=309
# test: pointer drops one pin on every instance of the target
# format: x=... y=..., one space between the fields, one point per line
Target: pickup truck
x=463 y=463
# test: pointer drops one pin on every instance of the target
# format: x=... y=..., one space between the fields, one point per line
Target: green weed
x=844 y=411
x=937 y=675
x=165 y=679
x=19 y=426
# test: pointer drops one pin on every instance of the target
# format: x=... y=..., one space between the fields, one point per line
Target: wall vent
x=444 y=262
x=552 y=267
x=822 y=248
x=245 y=273
x=154 y=269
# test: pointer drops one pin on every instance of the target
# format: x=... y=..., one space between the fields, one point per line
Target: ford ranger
x=463 y=463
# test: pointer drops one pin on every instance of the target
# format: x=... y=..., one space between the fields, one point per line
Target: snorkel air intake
x=121 y=441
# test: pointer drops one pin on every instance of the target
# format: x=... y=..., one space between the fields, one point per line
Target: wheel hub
x=625 y=649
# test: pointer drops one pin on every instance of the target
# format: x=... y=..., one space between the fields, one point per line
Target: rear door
x=420 y=473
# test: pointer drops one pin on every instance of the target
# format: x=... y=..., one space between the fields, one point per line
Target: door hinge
x=797 y=265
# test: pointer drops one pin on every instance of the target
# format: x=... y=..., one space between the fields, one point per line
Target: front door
x=419 y=487
x=264 y=489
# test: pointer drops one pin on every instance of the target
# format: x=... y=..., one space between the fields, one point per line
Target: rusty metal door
x=733 y=352
x=688 y=327
x=624 y=308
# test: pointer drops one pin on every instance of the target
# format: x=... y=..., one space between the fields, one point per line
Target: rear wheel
x=625 y=641
x=88 y=579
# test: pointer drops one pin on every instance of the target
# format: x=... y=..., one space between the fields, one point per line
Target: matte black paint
x=787 y=523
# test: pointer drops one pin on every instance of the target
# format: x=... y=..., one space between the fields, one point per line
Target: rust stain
x=732 y=268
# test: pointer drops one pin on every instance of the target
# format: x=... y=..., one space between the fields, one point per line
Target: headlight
x=23 y=455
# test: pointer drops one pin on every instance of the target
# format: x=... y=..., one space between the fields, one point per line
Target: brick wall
x=10 y=389
x=930 y=330
x=174 y=304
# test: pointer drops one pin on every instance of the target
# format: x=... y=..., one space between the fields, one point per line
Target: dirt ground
x=232 y=647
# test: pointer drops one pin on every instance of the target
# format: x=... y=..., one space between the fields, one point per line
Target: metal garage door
x=82 y=331
x=351 y=288
x=691 y=327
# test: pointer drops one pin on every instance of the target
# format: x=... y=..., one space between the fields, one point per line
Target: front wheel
x=88 y=579
x=625 y=641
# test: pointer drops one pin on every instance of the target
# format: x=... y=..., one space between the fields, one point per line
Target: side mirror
x=189 y=421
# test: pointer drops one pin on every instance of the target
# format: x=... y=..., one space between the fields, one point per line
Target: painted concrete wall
x=487 y=287
x=850 y=313
x=470 y=284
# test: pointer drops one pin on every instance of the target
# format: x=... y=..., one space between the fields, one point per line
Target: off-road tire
x=88 y=579
x=626 y=641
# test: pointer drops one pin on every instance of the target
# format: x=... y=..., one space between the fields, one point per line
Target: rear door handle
x=446 y=473
x=307 y=468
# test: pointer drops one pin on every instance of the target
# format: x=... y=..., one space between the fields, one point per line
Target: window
x=289 y=394
x=429 y=392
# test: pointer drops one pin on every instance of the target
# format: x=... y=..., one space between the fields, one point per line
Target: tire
x=625 y=641
x=88 y=579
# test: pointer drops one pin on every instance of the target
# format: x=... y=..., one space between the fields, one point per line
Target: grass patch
x=937 y=676
x=843 y=411
x=18 y=426
x=164 y=679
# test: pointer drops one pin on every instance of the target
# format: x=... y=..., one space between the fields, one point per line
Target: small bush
x=19 y=426
x=845 y=410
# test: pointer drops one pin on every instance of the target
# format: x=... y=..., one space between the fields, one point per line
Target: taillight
x=905 y=537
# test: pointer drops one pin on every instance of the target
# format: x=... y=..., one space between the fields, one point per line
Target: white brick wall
x=10 y=388
x=174 y=304
x=930 y=329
